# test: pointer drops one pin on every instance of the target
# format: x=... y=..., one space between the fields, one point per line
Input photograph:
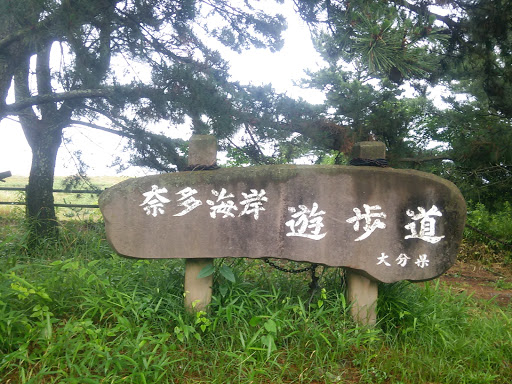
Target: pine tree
x=376 y=48
x=167 y=38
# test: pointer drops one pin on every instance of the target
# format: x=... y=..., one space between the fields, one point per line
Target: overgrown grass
x=77 y=313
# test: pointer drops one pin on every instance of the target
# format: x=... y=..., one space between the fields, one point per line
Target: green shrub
x=489 y=235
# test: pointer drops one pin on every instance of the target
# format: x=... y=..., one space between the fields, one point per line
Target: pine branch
x=452 y=24
x=126 y=134
x=105 y=92
x=21 y=34
x=424 y=159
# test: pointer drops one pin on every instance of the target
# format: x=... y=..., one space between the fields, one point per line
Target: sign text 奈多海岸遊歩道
x=389 y=224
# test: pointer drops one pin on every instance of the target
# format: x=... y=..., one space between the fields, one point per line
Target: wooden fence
x=73 y=191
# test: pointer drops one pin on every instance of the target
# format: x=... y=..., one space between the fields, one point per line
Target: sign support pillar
x=362 y=292
x=198 y=291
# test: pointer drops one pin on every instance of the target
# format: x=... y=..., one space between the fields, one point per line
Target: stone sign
x=389 y=224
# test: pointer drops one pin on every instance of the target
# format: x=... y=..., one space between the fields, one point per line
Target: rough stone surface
x=198 y=291
x=362 y=294
x=136 y=229
x=369 y=150
x=202 y=150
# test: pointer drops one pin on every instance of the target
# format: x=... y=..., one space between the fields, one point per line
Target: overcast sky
x=99 y=148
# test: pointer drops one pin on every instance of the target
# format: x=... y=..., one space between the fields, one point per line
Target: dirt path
x=486 y=282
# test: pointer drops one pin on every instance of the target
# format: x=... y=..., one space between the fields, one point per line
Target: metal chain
x=508 y=244
x=198 y=167
x=314 y=278
x=369 y=162
x=312 y=267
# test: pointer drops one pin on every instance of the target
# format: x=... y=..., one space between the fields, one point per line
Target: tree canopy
x=384 y=60
x=123 y=65
x=172 y=74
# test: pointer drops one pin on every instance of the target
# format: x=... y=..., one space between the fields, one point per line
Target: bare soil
x=482 y=281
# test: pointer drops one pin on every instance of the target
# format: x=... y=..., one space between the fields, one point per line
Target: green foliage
x=373 y=110
x=478 y=146
x=497 y=224
x=429 y=326
x=378 y=35
x=493 y=229
x=171 y=74
x=78 y=313
x=373 y=48
x=223 y=271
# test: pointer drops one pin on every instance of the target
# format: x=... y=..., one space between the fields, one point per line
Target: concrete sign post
x=202 y=152
x=385 y=224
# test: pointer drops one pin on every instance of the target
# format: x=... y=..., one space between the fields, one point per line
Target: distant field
x=99 y=182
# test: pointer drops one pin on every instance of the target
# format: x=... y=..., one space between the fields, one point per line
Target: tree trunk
x=40 y=204
x=44 y=135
